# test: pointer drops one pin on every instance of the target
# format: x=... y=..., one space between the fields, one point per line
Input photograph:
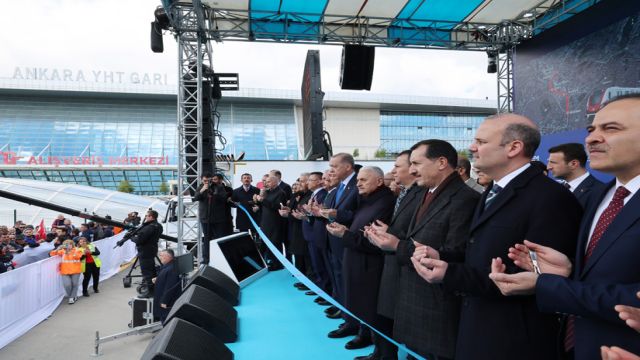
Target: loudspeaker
x=218 y=282
x=183 y=340
x=356 y=70
x=157 y=46
x=209 y=311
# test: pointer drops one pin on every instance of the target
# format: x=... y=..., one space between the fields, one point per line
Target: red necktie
x=607 y=217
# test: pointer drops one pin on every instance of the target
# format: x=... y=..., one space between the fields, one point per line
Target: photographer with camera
x=214 y=210
x=146 y=239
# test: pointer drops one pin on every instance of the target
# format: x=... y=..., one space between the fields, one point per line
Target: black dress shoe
x=323 y=302
x=85 y=293
x=358 y=342
x=310 y=293
x=372 y=356
x=298 y=284
x=335 y=315
x=330 y=309
x=342 y=332
x=96 y=291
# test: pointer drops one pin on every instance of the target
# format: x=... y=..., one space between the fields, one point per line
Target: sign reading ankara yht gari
x=88 y=76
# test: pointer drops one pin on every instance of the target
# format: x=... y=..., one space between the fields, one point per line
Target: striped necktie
x=401 y=196
x=495 y=190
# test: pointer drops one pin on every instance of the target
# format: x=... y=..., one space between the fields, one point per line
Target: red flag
x=42 y=233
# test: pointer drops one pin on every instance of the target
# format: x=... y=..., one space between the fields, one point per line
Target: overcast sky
x=113 y=35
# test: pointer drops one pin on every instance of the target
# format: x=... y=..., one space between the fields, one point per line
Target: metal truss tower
x=194 y=53
x=504 y=62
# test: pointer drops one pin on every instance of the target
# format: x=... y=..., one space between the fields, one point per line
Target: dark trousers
x=384 y=348
x=213 y=231
x=148 y=270
x=90 y=271
x=270 y=258
x=321 y=277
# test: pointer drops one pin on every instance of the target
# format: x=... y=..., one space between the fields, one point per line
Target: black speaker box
x=209 y=311
x=183 y=340
x=218 y=282
x=356 y=71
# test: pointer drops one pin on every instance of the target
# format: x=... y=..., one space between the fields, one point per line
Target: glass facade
x=262 y=131
x=115 y=131
x=400 y=130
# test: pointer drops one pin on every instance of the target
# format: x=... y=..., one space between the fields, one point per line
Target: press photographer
x=146 y=239
x=214 y=210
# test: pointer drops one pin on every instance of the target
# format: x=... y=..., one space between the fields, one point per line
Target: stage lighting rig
x=160 y=23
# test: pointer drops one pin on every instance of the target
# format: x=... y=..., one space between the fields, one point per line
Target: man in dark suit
x=167 y=285
x=244 y=196
x=567 y=163
x=281 y=184
x=426 y=316
x=273 y=199
x=343 y=202
x=286 y=188
x=363 y=262
x=318 y=193
x=605 y=271
x=214 y=210
x=409 y=197
x=522 y=204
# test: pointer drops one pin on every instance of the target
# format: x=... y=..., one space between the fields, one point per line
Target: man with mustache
x=605 y=271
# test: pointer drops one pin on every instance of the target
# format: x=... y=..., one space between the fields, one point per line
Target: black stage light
x=492 y=66
x=162 y=18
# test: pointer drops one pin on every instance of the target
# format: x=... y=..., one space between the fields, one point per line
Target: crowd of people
x=73 y=244
x=511 y=265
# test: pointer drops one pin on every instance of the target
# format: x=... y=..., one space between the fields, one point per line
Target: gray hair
x=345 y=158
x=529 y=136
x=374 y=170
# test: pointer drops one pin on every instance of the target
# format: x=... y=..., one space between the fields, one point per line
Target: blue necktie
x=495 y=190
x=339 y=193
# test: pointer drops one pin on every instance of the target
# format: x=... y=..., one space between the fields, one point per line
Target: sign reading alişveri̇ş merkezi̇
x=11 y=158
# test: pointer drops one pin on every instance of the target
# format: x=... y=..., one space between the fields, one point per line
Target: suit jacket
x=245 y=198
x=297 y=244
x=346 y=207
x=426 y=317
x=271 y=221
x=585 y=188
x=212 y=204
x=167 y=290
x=313 y=228
x=493 y=326
x=391 y=272
x=286 y=188
x=610 y=277
x=362 y=262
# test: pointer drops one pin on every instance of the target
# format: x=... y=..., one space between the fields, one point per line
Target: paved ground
x=70 y=332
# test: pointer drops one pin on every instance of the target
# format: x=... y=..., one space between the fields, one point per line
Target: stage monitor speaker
x=216 y=281
x=206 y=309
x=356 y=71
x=180 y=339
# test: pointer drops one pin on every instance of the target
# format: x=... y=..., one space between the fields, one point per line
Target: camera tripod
x=126 y=280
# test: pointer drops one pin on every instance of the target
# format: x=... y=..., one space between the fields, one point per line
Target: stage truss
x=194 y=25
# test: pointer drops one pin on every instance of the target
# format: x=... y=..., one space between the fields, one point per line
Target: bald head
x=518 y=128
x=504 y=143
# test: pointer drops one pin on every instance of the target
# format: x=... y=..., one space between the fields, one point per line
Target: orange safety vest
x=70 y=263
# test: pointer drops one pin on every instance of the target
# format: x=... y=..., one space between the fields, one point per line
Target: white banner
x=30 y=294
